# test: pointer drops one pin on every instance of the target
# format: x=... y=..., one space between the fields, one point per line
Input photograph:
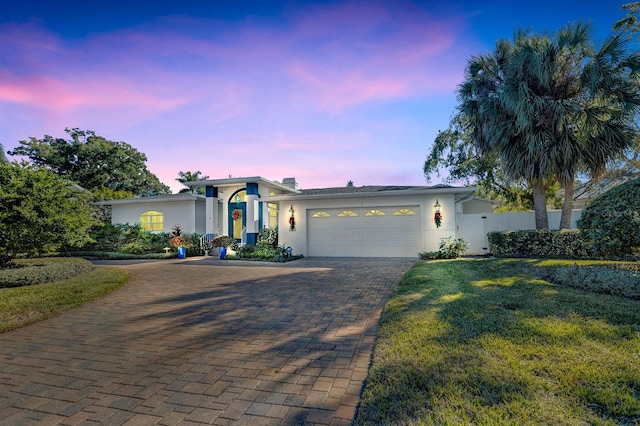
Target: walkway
x=204 y=341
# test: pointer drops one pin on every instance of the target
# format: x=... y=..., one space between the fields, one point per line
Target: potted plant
x=181 y=242
x=223 y=242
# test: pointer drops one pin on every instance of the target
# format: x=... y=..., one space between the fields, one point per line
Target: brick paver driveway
x=205 y=341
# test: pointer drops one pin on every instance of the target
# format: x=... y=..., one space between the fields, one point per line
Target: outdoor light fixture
x=292 y=219
x=437 y=218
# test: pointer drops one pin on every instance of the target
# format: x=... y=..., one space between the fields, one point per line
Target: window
x=402 y=212
x=152 y=221
x=375 y=212
x=321 y=214
x=273 y=215
x=347 y=213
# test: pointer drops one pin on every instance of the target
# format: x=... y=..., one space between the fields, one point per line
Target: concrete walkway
x=204 y=341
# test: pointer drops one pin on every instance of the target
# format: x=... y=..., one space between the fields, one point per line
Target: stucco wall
x=430 y=234
x=473 y=228
x=181 y=213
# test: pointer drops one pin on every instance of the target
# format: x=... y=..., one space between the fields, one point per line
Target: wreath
x=236 y=214
x=292 y=223
x=437 y=219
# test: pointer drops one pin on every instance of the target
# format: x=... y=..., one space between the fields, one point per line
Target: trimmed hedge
x=612 y=221
x=619 y=280
x=43 y=270
x=545 y=243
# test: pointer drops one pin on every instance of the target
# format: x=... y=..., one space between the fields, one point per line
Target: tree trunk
x=540 y=204
x=567 y=206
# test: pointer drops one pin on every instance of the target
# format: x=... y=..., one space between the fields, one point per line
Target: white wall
x=430 y=235
x=181 y=213
x=473 y=228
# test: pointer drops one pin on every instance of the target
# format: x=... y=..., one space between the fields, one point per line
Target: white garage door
x=362 y=232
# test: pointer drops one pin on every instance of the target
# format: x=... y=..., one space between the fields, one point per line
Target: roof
x=374 y=190
x=221 y=183
x=184 y=196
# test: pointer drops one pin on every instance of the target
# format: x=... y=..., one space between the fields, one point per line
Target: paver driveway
x=205 y=341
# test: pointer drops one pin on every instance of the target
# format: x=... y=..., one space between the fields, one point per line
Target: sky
x=324 y=91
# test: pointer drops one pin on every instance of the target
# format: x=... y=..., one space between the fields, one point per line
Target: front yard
x=484 y=342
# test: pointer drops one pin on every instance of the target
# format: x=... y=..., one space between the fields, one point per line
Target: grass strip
x=21 y=306
x=484 y=342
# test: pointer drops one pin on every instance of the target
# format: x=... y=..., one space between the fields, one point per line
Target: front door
x=237 y=220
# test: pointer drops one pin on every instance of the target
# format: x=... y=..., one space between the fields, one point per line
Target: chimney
x=290 y=182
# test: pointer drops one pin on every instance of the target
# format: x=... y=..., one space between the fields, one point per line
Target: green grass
x=483 y=342
x=20 y=306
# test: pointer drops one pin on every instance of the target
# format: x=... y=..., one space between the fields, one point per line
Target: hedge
x=546 y=243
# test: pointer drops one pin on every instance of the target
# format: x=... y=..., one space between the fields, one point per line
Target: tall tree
x=188 y=176
x=93 y=162
x=3 y=158
x=550 y=106
x=40 y=211
x=453 y=150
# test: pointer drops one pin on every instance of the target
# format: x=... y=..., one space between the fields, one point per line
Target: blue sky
x=326 y=92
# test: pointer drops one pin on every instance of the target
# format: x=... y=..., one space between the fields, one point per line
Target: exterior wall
x=473 y=228
x=181 y=213
x=476 y=207
x=430 y=234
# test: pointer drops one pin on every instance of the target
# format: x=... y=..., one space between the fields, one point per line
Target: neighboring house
x=380 y=221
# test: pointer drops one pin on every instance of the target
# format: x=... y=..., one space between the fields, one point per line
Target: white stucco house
x=379 y=221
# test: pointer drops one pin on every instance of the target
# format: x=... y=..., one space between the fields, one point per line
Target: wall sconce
x=292 y=219
x=437 y=218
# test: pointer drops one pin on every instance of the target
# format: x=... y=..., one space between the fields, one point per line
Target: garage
x=364 y=232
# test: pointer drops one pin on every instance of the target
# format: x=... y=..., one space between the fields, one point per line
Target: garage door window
x=375 y=212
x=321 y=214
x=403 y=212
x=347 y=213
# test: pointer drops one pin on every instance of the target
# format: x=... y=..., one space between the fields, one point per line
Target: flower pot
x=182 y=252
x=223 y=252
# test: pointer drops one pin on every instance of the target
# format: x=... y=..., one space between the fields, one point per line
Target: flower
x=223 y=241
x=180 y=241
x=437 y=218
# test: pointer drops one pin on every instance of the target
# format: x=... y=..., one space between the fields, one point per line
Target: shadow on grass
x=480 y=341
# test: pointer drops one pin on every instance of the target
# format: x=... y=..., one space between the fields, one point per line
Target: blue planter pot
x=223 y=252
x=182 y=252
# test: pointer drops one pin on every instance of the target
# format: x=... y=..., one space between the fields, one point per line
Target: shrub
x=619 y=280
x=566 y=244
x=42 y=270
x=611 y=222
x=225 y=241
x=269 y=235
x=449 y=248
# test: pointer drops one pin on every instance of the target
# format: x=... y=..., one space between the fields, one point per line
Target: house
x=379 y=221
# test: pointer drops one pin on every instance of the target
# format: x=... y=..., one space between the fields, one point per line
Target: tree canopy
x=93 y=162
x=188 y=176
x=40 y=211
x=542 y=108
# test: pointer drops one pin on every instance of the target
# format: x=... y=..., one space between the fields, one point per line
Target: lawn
x=484 y=342
x=20 y=306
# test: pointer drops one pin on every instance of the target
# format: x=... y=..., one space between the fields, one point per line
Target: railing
x=205 y=242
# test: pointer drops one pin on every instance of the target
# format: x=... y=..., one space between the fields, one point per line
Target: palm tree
x=3 y=158
x=188 y=176
x=552 y=106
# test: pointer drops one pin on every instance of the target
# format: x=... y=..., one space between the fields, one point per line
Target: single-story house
x=379 y=221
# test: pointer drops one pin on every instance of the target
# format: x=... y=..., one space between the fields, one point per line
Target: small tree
x=612 y=221
x=40 y=212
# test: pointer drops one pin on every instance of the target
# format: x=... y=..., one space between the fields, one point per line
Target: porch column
x=252 y=213
x=211 y=210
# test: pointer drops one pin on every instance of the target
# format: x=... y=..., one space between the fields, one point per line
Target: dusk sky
x=326 y=92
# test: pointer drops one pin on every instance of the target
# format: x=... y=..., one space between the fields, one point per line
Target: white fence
x=473 y=228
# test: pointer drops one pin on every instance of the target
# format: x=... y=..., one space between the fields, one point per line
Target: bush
x=44 y=270
x=619 y=280
x=449 y=248
x=611 y=222
x=225 y=241
x=269 y=236
x=545 y=243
